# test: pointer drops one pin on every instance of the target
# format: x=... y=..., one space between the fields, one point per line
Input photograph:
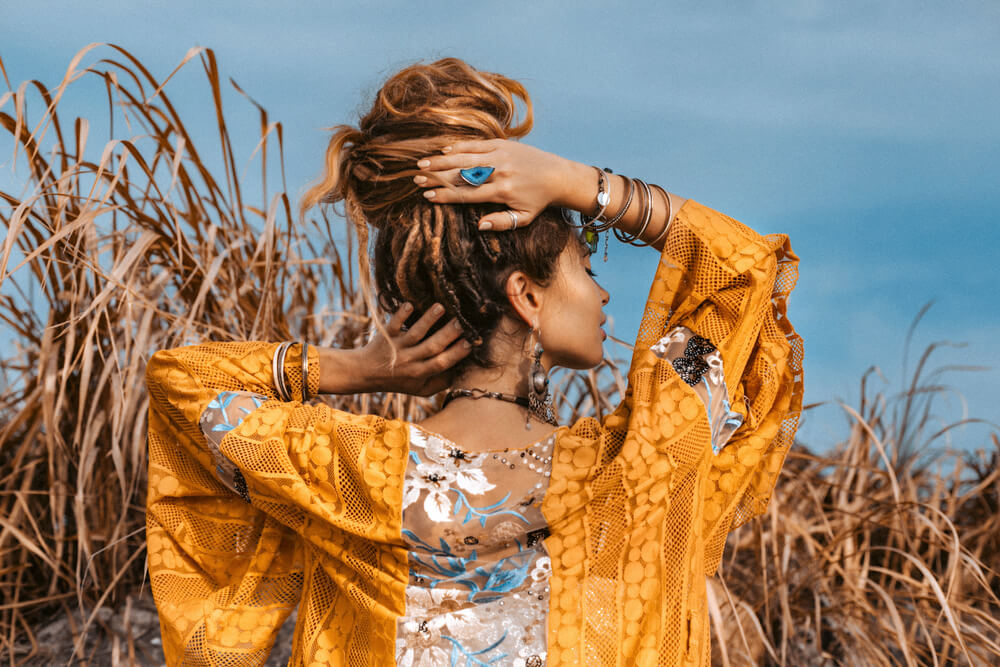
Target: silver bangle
x=666 y=225
x=628 y=202
x=603 y=199
x=647 y=215
x=278 y=369
x=305 y=371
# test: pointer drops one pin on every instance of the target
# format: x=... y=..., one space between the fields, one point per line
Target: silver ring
x=513 y=220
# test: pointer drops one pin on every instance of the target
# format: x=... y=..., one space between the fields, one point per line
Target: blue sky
x=868 y=132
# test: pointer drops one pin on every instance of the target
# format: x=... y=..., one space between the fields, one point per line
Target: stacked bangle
x=281 y=385
x=278 y=370
x=597 y=223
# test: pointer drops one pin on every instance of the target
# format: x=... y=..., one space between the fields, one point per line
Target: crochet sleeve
x=227 y=514
x=727 y=285
x=730 y=285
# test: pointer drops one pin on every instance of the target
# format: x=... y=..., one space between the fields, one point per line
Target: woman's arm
x=528 y=180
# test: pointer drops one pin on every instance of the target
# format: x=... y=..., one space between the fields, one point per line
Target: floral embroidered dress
x=400 y=547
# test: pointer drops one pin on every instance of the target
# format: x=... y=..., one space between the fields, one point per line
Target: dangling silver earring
x=539 y=399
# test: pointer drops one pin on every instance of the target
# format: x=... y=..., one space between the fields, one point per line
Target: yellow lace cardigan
x=638 y=505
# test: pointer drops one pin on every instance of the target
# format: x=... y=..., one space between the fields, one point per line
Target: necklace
x=482 y=393
x=540 y=410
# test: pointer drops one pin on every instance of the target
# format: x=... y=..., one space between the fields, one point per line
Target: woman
x=486 y=534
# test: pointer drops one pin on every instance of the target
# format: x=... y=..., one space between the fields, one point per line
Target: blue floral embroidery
x=458 y=650
x=505 y=575
x=220 y=404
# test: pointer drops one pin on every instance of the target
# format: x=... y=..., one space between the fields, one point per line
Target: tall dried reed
x=145 y=242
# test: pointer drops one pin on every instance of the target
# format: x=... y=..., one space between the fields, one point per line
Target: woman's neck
x=483 y=423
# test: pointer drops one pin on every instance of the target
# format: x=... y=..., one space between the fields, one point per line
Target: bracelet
x=278 y=370
x=647 y=215
x=628 y=202
x=603 y=199
x=670 y=210
x=305 y=371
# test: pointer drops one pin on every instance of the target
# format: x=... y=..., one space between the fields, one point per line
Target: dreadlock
x=425 y=252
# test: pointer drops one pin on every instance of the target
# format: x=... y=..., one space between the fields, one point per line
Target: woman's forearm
x=580 y=186
x=342 y=371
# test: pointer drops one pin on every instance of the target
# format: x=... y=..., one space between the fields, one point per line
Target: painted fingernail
x=419 y=180
x=407 y=307
x=424 y=163
x=467 y=345
x=456 y=324
x=437 y=309
x=446 y=149
x=430 y=194
x=485 y=225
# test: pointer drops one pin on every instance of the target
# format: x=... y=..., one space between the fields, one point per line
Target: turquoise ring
x=476 y=176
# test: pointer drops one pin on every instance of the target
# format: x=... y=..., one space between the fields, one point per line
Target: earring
x=539 y=399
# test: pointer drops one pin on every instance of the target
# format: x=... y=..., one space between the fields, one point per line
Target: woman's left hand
x=525 y=179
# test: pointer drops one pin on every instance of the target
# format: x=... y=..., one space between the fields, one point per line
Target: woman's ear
x=525 y=296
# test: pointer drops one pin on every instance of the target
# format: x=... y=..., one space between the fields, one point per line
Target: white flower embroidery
x=542 y=570
x=436 y=480
x=445 y=453
x=442 y=468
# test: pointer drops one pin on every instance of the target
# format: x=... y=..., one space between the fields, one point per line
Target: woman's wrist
x=578 y=192
x=577 y=187
x=342 y=371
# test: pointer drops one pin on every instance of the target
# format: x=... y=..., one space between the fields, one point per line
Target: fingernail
x=485 y=225
x=457 y=324
x=437 y=309
x=430 y=194
x=467 y=345
x=419 y=179
x=446 y=149
x=407 y=307
x=424 y=163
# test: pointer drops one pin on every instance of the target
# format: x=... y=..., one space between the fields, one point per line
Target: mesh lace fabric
x=638 y=505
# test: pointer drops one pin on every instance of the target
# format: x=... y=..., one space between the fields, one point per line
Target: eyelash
x=591 y=273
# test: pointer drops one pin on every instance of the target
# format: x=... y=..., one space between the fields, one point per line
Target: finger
x=437 y=343
x=466 y=194
x=420 y=328
x=471 y=146
x=453 y=161
x=502 y=221
x=395 y=324
x=448 y=177
x=445 y=360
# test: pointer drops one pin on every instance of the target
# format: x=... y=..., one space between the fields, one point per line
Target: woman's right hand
x=423 y=365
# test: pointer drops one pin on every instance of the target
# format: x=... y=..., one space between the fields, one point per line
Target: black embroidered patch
x=690 y=369
x=536 y=536
x=240 y=482
x=698 y=346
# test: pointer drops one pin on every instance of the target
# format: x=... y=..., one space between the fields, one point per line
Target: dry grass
x=143 y=242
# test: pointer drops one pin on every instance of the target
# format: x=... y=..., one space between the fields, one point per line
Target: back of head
x=426 y=252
